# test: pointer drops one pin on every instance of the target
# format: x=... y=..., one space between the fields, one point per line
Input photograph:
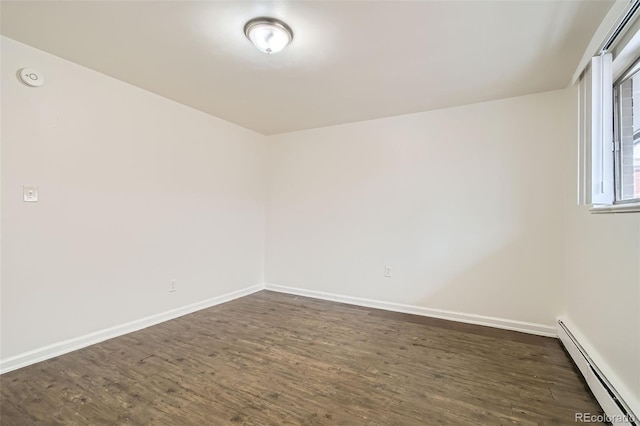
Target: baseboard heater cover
x=617 y=412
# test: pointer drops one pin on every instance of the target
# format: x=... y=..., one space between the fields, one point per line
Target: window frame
x=629 y=73
x=613 y=50
x=599 y=109
x=601 y=131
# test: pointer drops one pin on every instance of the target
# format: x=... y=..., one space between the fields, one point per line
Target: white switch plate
x=387 y=271
x=30 y=194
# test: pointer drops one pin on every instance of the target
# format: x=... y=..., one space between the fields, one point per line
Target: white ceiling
x=349 y=60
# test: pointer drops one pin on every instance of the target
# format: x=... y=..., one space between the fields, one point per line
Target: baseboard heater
x=616 y=410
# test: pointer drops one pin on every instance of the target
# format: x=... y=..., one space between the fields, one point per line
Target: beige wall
x=466 y=205
x=135 y=190
x=602 y=282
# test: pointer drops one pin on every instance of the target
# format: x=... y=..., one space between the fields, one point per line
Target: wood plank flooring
x=276 y=359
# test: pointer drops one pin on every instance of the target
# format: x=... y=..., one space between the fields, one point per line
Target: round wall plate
x=31 y=77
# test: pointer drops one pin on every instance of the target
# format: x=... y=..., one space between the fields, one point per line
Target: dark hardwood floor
x=276 y=359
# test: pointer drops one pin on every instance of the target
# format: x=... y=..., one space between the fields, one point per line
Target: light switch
x=30 y=194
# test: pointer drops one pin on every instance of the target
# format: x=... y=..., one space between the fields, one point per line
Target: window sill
x=616 y=208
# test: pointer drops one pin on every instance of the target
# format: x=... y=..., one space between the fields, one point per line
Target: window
x=610 y=131
x=609 y=114
x=627 y=136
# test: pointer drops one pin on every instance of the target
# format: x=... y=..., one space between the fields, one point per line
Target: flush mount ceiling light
x=268 y=34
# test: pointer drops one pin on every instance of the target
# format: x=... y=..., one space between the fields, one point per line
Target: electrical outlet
x=172 y=287
x=30 y=194
x=387 y=271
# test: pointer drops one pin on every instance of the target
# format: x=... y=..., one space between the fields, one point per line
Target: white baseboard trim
x=599 y=377
x=60 y=348
x=524 y=327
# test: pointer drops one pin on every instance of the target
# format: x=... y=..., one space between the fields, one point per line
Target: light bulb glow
x=268 y=35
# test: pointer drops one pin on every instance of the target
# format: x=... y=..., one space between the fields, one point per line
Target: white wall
x=135 y=190
x=466 y=204
x=602 y=279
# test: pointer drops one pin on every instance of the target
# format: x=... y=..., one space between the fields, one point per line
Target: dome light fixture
x=269 y=35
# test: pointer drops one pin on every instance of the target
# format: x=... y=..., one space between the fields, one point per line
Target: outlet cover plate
x=30 y=194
